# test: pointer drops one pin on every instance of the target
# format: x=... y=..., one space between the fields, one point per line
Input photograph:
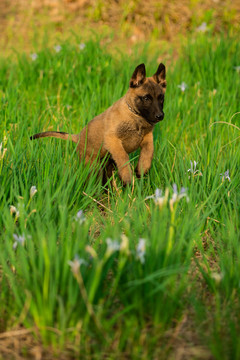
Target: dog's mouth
x=155 y=121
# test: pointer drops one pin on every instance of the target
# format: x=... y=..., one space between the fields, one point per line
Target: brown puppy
x=125 y=126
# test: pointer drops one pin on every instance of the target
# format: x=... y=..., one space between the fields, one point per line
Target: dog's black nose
x=160 y=116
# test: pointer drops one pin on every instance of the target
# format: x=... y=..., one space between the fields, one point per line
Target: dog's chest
x=131 y=135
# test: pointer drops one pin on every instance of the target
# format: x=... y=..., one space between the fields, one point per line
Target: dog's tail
x=56 y=134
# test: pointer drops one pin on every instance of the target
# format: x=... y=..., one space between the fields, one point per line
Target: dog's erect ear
x=160 y=75
x=138 y=76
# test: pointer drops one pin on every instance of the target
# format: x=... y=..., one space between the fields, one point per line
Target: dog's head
x=147 y=93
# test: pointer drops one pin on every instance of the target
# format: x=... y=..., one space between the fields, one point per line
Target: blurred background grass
x=25 y=24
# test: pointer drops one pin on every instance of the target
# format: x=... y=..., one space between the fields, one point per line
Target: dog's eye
x=146 y=97
x=161 y=98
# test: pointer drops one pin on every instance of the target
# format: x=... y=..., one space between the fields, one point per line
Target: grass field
x=127 y=273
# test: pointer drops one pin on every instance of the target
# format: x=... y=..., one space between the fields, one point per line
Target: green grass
x=124 y=302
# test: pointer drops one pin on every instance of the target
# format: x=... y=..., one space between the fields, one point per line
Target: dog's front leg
x=114 y=145
x=146 y=155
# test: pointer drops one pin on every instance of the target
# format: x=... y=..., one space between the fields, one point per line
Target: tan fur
x=121 y=129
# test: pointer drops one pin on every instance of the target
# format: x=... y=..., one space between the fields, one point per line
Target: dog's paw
x=140 y=172
x=126 y=176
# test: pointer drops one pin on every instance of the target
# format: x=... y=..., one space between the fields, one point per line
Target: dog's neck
x=133 y=110
x=137 y=113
